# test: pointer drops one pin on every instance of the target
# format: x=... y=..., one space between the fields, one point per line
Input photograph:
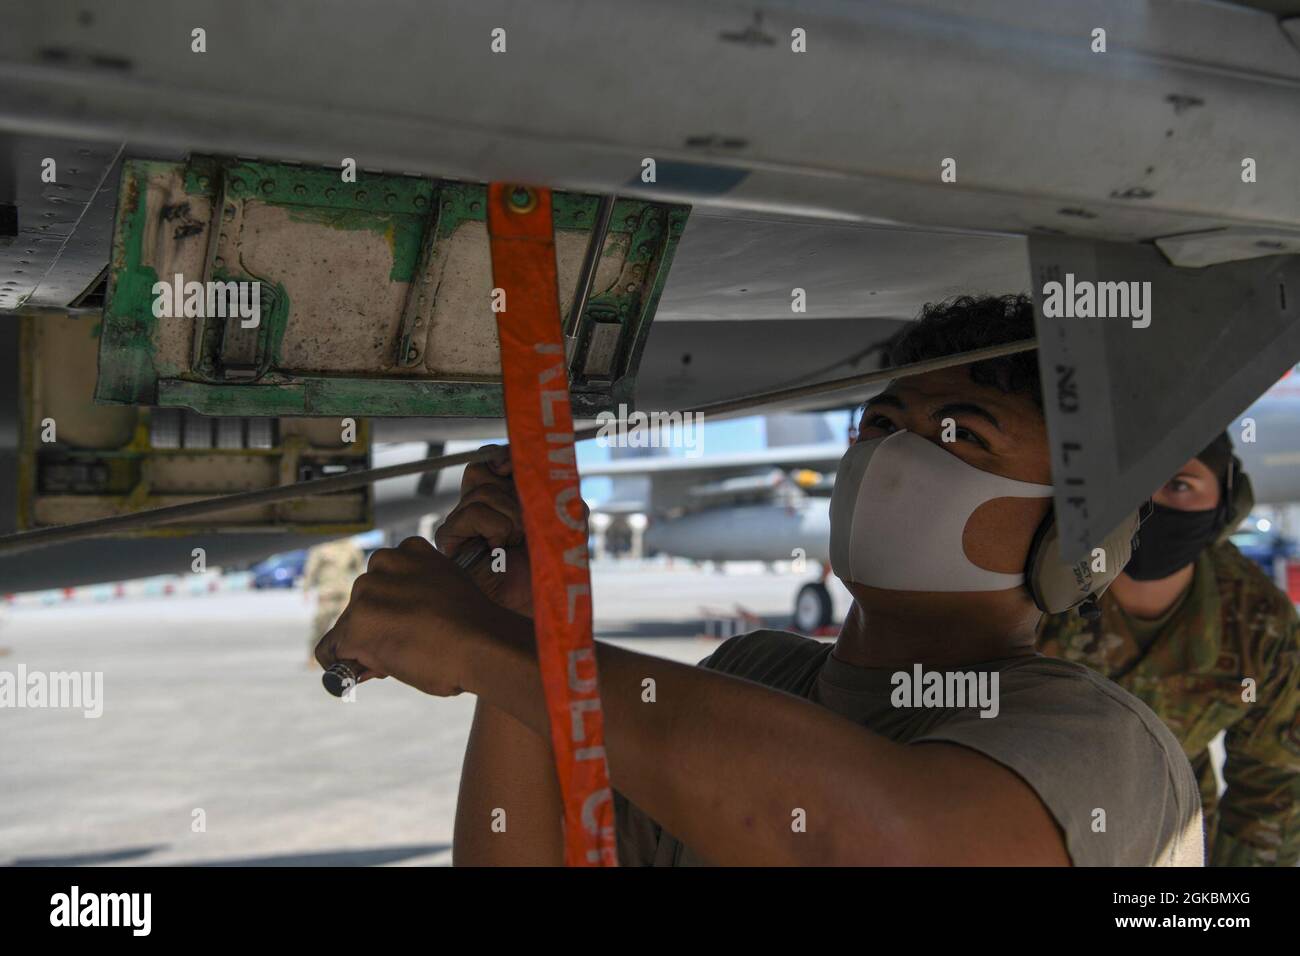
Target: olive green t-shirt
x=1109 y=772
x=1146 y=629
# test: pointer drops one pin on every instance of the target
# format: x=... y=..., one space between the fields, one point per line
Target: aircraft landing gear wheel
x=812 y=608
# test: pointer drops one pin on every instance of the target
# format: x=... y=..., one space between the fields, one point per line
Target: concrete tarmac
x=211 y=715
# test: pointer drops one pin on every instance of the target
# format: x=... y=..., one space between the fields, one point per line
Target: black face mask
x=1170 y=539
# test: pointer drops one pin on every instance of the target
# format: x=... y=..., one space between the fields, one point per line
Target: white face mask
x=899 y=510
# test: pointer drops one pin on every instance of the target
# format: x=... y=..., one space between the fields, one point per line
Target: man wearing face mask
x=1204 y=638
x=931 y=732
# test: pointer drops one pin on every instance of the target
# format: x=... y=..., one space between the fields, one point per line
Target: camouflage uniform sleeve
x=1259 y=815
x=311 y=570
x=1057 y=633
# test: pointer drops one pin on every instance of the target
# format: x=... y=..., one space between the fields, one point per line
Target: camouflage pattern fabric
x=331 y=569
x=1233 y=627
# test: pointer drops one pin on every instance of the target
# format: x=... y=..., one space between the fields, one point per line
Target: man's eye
x=878 y=421
x=965 y=434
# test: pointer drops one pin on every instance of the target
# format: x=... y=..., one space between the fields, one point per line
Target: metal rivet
x=390 y=199
x=300 y=190
x=361 y=195
x=330 y=192
x=268 y=185
x=420 y=202
x=522 y=200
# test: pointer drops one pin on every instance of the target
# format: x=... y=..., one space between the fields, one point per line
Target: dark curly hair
x=973 y=322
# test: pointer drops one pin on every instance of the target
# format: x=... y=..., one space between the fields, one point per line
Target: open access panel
x=375 y=296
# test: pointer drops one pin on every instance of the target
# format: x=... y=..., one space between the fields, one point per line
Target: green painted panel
x=140 y=365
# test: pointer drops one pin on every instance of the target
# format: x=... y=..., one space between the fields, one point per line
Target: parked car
x=280 y=570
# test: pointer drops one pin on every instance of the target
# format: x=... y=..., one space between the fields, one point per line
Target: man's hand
x=413 y=615
x=489 y=509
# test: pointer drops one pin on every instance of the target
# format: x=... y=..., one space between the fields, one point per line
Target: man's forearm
x=508 y=811
x=726 y=765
